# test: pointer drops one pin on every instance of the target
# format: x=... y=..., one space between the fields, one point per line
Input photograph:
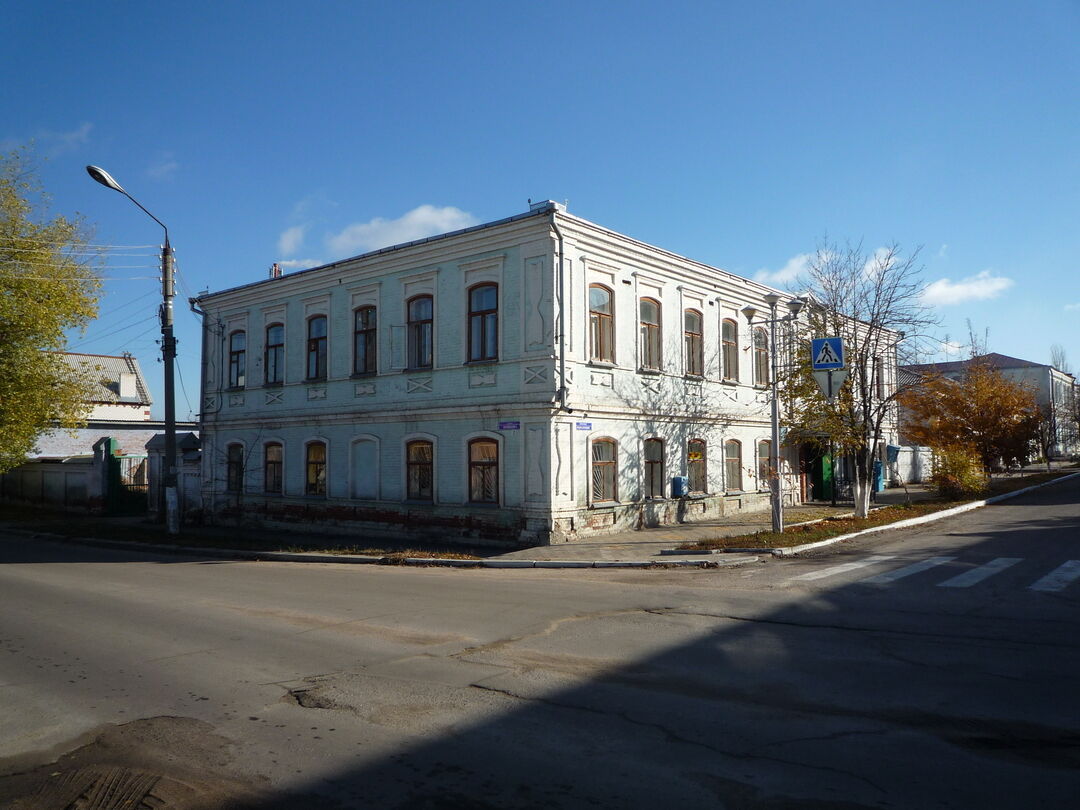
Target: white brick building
x=533 y=379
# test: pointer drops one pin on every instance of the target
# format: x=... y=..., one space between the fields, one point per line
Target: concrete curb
x=361 y=559
x=903 y=524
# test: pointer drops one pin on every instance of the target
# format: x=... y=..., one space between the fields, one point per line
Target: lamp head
x=104 y=178
x=796 y=305
x=772 y=299
x=749 y=312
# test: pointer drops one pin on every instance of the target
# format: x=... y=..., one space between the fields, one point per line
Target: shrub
x=958 y=474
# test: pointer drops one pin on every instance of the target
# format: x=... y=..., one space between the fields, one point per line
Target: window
x=730 y=340
x=237 y=359
x=603 y=470
x=695 y=350
x=733 y=466
x=315 y=470
x=695 y=465
x=484 y=471
x=484 y=322
x=879 y=377
x=601 y=328
x=272 y=458
x=364 y=331
x=649 y=313
x=421 y=310
x=761 y=357
x=654 y=468
x=234 y=468
x=419 y=459
x=764 y=464
x=274 y=365
x=316 y=348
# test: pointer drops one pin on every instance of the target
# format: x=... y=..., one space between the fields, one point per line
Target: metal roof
x=107 y=368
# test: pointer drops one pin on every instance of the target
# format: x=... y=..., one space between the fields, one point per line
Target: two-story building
x=534 y=379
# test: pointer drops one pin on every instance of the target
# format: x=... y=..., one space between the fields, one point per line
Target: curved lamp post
x=776 y=481
x=168 y=354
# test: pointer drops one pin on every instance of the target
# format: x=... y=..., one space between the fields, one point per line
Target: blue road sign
x=827 y=353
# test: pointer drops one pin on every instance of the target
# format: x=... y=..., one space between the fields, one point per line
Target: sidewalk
x=646 y=545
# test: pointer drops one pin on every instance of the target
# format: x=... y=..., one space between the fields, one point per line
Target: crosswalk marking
x=907 y=571
x=977 y=575
x=1057 y=579
x=839 y=569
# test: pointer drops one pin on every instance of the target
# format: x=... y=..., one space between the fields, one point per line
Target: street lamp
x=776 y=481
x=168 y=354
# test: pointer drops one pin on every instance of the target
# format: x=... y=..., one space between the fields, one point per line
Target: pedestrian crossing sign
x=827 y=353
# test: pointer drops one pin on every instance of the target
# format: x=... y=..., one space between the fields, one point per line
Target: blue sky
x=738 y=134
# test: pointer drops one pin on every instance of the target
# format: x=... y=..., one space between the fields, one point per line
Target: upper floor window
x=654 y=468
x=234 y=468
x=237 y=359
x=484 y=322
x=421 y=313
x=695 y=348
x=733 y=466
x=695 y=465
x=764 y=463
x=761 y=357
x=420 y=472
x=316 y=348
x=879 y=378
x=603 y=470
x=315 y=469
x=650 y=333
x=601 y=327
x=484 y=471
x=364 y=332
x=272 y=464
x=730 y=340
x=274 y=361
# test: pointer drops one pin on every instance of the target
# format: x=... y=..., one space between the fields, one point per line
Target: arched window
x=730 y=340
x=601 y=326
x=272 y=468
x=695 y=465
x=484 y=322
x=316 y=348
x=649 y=313
x=654 y=468
x=420 y=470
x=364 y=334
x=484 y=471
x=274 y=360
x=694 y=346
x=761 y=357
x=237 y=359
x=733 y=466
x=764 y=463
x=421 y=318
x=234 y=468
x=315 y=469
x=604 y=470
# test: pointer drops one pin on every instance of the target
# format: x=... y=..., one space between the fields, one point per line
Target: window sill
x=491 y=361
x=232 y=389
x=694 y=377
x=602 y=364
x=604 y=504
x=481 y=505
x=417 y=369
x=653 y=372
x=358 y=375
x=729 y=381
x=277 y=384
x=314 y=380
x=417 y=502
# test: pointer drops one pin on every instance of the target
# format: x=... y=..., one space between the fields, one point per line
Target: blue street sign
x=827 y=353
x=583 y=425
x=510 y=425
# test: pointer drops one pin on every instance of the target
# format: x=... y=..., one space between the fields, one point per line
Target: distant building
x=1055 y=391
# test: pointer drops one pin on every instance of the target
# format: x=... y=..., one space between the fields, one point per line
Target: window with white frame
x=420 y=470
x=274 y=355
x=273 y=455
x=730 y=343
x=733 y=466
x=483 y=322
x=695 y=465
x=654 y=468
x=421 y=311
x=649 y=313
x=483 y=471
x=604 y=468
x=237 y=359
x=601 y=324
x=694 y=346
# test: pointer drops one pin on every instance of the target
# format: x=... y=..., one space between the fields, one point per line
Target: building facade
x=535 y=379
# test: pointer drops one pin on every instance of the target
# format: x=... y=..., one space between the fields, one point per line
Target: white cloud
x=164 y=169
x=943 y=250
x=795 y=267
x=422 y=221
x=305 y=263
x=979 y=287
x=57 y=143
x=291 y=239
x=1072 y=307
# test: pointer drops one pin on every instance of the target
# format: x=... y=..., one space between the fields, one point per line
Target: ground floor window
x=654 y=468
x=234 y=468
x=315 y=481
x=272 y=458
x=695 y=465
x=764 y=464
x=484 y=471
x=420 y=457
x=603 y=470
x=733 y=466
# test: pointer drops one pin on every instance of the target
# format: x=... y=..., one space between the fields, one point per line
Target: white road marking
x=1059 y=578
x=840 y=569
x=977 y=575
x=907 y=571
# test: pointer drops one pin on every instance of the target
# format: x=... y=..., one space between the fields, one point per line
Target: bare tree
x=1058 y=359
x=872 y=300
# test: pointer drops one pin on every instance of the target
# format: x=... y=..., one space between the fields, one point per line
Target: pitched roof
x=993 y=359
x=107 y=369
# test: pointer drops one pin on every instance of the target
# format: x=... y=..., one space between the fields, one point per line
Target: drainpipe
x=562 y=314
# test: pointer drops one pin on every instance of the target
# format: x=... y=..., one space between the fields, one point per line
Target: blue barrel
x=680 y=486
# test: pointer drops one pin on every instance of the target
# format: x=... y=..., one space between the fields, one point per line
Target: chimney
x=275 y=270
x=126 y=385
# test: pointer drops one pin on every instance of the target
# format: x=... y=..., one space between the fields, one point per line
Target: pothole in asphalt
x=171 y=763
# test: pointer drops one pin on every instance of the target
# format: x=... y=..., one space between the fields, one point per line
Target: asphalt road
x=934 y=667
